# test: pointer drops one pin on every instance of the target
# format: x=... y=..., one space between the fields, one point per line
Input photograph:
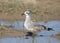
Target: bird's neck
x=28 y=19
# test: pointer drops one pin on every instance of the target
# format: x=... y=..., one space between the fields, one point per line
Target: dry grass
x=57 y=36
x=43 y=10
x=10 y=32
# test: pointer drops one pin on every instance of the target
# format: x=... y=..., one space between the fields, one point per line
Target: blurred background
x=42 y=10
x=45 y=12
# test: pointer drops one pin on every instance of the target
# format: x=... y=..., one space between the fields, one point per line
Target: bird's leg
x=29 y=34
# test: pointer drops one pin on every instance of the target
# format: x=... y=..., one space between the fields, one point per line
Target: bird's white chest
x=28 y=26
x=28 y=23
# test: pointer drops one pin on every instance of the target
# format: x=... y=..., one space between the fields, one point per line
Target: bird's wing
x=36 y=26
x=38 y=23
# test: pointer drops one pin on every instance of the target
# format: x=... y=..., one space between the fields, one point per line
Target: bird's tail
x=50 y=29
x=45 y=28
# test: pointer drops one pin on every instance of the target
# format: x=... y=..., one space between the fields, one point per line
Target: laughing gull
x=31 y=26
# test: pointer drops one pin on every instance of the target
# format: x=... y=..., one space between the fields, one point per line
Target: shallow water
x=46 y=39
x=23 y=40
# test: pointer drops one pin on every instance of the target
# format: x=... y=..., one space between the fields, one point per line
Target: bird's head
x=26 y=13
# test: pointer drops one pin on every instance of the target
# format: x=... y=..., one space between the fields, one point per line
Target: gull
x=33 y=27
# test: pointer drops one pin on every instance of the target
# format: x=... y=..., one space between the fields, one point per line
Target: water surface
x=18 y=25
